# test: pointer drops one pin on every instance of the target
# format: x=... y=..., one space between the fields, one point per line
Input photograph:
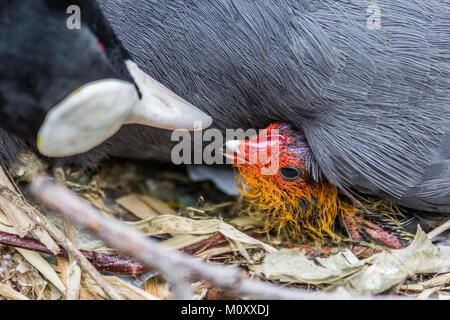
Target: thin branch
x=73 y=269
x=439 y=230
x=113 y=263
x=135 y=244
x=215 y=241
x=437 y=281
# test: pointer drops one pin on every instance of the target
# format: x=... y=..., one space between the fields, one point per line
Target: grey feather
x=373 y=104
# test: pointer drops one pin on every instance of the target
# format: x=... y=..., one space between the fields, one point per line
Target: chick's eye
x=290 y=173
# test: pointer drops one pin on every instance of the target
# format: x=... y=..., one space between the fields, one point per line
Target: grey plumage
x=373 y=104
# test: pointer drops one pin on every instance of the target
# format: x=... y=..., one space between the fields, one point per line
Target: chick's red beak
x=260 y=150
x=235 y=150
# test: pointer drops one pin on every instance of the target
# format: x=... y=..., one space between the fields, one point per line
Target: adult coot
x=366 y=86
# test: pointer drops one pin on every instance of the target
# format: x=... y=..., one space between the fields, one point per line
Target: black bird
x=366 y=87
x=68 y=88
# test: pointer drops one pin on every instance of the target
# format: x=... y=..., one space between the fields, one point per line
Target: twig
x=74 y=272
x=41 y=220
x=215 y=241
x=437 y=281
x=437 y=231
x=113 y=263
x=134 y=243
x=73 y=269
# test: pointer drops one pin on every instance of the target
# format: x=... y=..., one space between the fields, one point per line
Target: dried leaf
x=15 y=216
x=292 y=266
x=10 y=293
x=184 y=240
x=137 y=207
x=179 y=225
x=214 y=252
x=159 y=206
x=36 y=260
x=27 y=280
x=21 y=222
x=389 y=268
x=427 y=293
x=246 y=222
x=98 y=202
x=124 y=289
x=6 y=227
x=240 y=247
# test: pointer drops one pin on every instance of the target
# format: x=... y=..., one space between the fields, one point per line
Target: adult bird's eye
x=290 y=173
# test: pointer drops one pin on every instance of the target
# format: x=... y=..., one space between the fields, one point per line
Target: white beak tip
x=232 y=146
